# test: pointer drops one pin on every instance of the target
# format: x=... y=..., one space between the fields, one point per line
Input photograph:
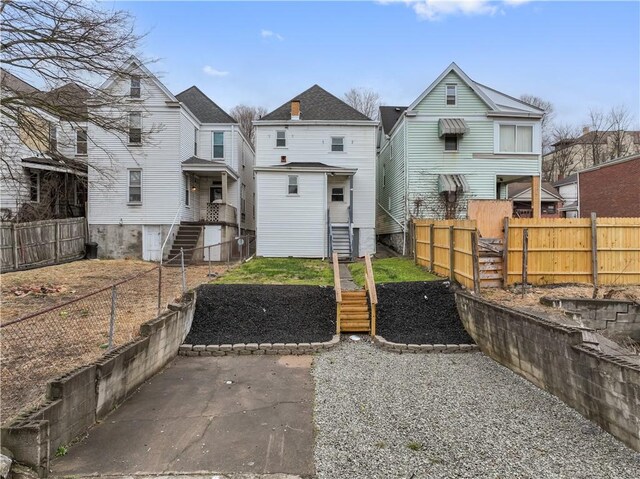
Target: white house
x=44 y=151
x=315 y=178
x=181 y=169
x=568 y=189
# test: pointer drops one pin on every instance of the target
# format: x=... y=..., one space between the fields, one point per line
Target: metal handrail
x=169 y=233
x=350 y=233
x=329 y=234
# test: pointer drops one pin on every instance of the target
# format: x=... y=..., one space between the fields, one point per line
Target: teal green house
x=459 y=140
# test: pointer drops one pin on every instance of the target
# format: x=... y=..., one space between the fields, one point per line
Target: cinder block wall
x=603 y=388
x=76 y=400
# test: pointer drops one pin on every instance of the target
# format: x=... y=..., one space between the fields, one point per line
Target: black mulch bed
x=419 y=313
x=248 y=313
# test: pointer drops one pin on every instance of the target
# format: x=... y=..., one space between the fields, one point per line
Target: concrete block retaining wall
x=564 y=361
x=240 y=349
x=76 y=400
x=402 y=348
x=611 y=315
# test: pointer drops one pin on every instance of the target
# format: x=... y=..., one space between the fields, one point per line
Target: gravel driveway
x=384 y=415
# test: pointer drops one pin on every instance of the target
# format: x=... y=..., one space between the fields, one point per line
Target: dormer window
x=451 y=94
x=134 y=92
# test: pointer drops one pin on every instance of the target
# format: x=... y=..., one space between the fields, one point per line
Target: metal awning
x=456 y=183
x=452 y=126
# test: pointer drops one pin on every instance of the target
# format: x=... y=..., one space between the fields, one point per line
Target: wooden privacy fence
x=41 y=243
x=446 y=248
x=563 y=250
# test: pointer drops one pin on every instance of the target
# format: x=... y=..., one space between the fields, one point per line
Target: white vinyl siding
x=467 y=101
x=81 y=141
x=291 y=225
x=218 y=145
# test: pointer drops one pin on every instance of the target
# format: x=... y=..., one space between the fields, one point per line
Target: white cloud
x=209 y=70
x=271 y=34
x=438 y=9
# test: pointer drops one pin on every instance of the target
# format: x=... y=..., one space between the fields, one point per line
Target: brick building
x=611 y=189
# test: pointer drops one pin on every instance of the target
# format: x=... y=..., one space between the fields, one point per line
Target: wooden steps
x=490 y=262
x=354 y=312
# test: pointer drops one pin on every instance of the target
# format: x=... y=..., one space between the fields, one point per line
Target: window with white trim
x=281 y=138
x=134 y=91
x=337 y=194
x=292 y=185
x=516 y=139
x=337 y=143
x=450 y=142
x=452 y=94
x=135 y=128
x=34 y=186
x=81 y=141
x=218 y=144
x=135 y=186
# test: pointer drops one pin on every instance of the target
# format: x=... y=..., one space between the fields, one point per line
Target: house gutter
x=406 y=185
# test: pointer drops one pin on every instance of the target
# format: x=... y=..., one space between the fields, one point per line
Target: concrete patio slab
x=248 y=415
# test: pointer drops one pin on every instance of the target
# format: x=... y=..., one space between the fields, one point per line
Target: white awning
x=452 y=126
x=456 y=183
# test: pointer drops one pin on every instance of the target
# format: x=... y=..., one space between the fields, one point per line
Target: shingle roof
x=310 y=164
x=567 y=180
x=317 y=104
x=13 y=83
x=68 y=102
x=194 y=160
x=515 y=189
x=203 y=107
x=389 y=116
x=59 y=163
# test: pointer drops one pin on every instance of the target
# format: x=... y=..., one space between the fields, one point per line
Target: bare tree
x=364 y=100
x=565 y=158
x=547 y=118
x=619 y=119
x=594 y=140
x=67 y=48
x=244 y=115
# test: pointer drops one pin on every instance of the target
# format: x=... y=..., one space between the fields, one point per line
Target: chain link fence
x=50 y=343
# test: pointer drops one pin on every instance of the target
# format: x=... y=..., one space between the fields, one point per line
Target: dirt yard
x=76 y=333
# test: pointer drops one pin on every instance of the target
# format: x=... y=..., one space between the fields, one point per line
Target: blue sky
x=579 y=55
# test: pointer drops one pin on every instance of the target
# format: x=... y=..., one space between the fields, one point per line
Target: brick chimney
x=585 y=130
x=295 y=110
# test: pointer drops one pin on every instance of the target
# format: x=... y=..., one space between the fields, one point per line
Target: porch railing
x=221 y=213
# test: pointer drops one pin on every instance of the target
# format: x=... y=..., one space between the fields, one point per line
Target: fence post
x=415 y=242
x=184 y=274
x=475 y=259
x=14 y=237
x=209 y=259
x=505 y=253
x=112 y=321
x=431 y=228
x=160 y=288
x=594 y=252
x=56 y=243
x=452 y=254
x=525 y=258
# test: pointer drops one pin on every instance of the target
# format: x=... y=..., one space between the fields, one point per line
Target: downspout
x=406 y=186
x=578 y=193
x=233 y=162
x=325 y=248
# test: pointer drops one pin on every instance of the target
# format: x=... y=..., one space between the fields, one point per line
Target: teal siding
x=468 y=102
x=391 y=196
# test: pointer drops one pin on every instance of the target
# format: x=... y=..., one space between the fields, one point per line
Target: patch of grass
x=415 y=446
x=61 y=451
x=391 y=270
x=280 y=271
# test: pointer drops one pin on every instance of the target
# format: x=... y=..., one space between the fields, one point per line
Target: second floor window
x=135 y=186
x=451 y=94
x=281 y=139
x=218 y=144
x=134 y=92
x=81 y=142
x=450 y=142
x=53 y=138
x=337 y=143
x=516 y=138
x=135 y=128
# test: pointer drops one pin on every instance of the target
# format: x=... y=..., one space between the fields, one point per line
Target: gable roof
x=68 y=101
x=520 y=189
x=317 y=104
x=131 y=64
x=623 y=159
x=389 y=116
x=496 y=101
x=203 y=107
x=567 y=180
x=15 y=84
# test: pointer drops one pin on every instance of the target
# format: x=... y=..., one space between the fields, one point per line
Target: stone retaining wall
x=613 y=315
x=75 y=401
x=564 y=361
x=401 y=348
x=256 y=349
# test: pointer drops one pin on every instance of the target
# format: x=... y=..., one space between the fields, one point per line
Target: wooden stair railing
x=337 y=287
x=370 y=287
